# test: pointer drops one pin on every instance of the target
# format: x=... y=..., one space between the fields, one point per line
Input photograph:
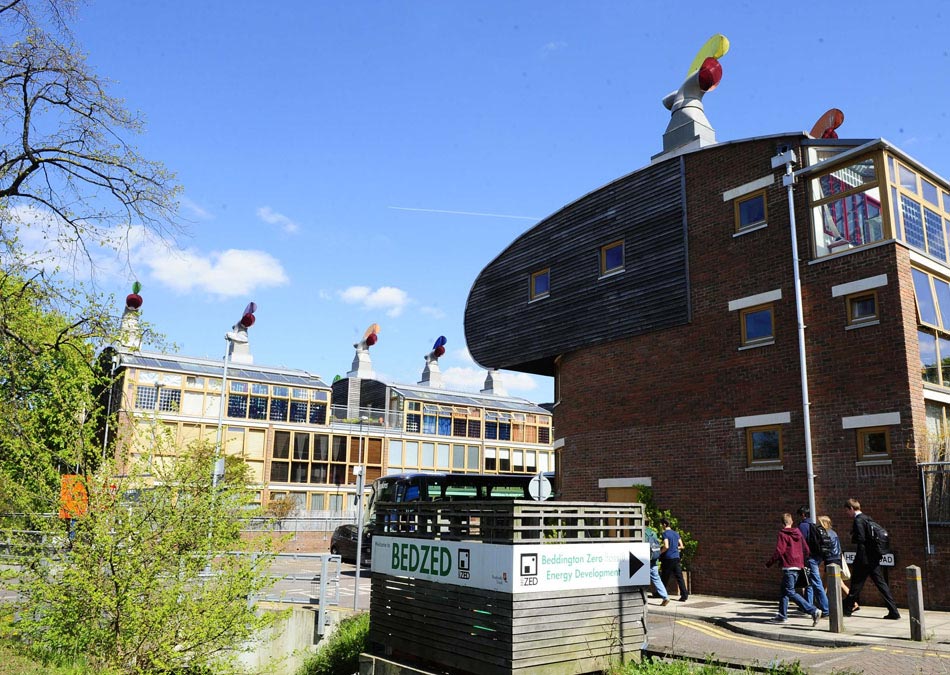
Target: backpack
x=655 y=545
x=819 y=542
x=879 y=542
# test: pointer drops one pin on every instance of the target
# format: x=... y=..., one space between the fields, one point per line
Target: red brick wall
x=663 y=405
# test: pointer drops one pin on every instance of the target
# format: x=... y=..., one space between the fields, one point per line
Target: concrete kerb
x=750 y=617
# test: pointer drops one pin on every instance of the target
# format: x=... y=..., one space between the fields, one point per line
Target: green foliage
x=47 y=411
x=340 y=655
x=157 y=578
x=652 y=665
x=655 y=515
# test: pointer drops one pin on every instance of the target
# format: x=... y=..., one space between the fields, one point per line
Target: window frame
x=737 y=205
x=852 y=299
x=862 y=434
x=604 y=271
x=533 y=294
x=756 y=342
x=749 y=431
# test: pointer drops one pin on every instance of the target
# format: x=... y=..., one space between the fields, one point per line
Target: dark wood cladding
x=471 y=630
x=645 y=209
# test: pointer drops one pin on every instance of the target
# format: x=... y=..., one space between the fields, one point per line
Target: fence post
x=833 y=582
x=915 y=603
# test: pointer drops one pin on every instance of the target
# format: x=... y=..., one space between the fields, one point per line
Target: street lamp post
x=786 y=158
x=237 y=335
x=360 y=473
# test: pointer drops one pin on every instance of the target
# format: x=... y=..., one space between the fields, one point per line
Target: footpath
x=865 y=628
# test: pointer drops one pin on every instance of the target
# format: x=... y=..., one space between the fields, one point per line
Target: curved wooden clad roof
x=645 y=209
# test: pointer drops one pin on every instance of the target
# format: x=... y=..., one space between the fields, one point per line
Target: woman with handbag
x=791 y=550
x=837 y=557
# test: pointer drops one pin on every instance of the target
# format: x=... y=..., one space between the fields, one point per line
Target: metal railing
x=935 y=483
x=374 y=417
x=511 y=521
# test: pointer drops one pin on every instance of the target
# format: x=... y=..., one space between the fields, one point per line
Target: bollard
x=833 y=583
x=915 y=603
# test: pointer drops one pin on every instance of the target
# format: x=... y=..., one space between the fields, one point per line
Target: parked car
x=343 y=544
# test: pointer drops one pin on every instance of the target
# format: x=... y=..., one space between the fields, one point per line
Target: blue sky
x=346 y=163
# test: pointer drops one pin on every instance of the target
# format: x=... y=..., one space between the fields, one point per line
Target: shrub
x=340 y=655
x=655 y=515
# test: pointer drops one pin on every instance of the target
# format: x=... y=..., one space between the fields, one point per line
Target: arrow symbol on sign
x=635 y=565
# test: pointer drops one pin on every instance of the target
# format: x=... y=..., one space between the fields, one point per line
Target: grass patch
x=340 y=655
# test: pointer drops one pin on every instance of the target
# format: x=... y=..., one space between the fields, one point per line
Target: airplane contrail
x=463 y=213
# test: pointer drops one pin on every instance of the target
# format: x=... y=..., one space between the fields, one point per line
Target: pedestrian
x=867 y=563
x=816 y=589
x=655 y=548
x=791 y=551
x=670 y=563
x=836 y=557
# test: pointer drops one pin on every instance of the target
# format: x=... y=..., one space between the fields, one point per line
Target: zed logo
x=465 y=563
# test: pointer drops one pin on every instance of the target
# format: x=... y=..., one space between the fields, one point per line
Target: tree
x=47 y=417
x=146 y=586
x=67 y=170
x=64 y=159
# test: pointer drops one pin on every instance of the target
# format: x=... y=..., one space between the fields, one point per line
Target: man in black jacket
x=867 y=563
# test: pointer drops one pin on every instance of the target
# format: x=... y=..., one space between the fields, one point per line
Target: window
x=764 y=445
x=169 y=400
x=933 y=335
x=758 y=325
x=750 y=211
x=847 y=207
x=611 y=258
x=258 y=408
x=237 y=405
x=874 y=443
x=862 y=307
x=145 y=398
x=540 y=284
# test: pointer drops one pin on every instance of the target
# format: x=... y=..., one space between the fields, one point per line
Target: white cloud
x=271 y=217
x=233 y=272
x=554 y=46
x=464 y=378
x=387 y=298
x=229 y=273
x=434 y=312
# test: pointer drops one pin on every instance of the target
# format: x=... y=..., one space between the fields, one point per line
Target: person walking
x=791 y=551
x=816 y=589
x=836 y=557
x=867 y=563
x=655 y=548
x=670 y=563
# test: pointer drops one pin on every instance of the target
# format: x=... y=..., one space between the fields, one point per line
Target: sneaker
x=778 y=618
x=825 y=615
x=893 y=617
x=684 y=598
x=665 y=602
x=815 y=617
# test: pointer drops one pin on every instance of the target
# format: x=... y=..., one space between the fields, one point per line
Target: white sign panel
x=514 y=569
x=887 y=560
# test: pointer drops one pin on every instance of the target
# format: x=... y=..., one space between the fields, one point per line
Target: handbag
x=803 y=579
x=845 y=570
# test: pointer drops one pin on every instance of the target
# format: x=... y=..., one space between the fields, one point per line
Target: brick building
x=664 y=304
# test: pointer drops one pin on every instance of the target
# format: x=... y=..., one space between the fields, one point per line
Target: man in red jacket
x=792 y=551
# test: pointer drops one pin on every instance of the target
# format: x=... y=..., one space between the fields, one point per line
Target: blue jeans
x=816 y=587
x=657 y=584
x=789 y=593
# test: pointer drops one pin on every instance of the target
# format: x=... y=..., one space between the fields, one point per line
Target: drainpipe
x=787 y=157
